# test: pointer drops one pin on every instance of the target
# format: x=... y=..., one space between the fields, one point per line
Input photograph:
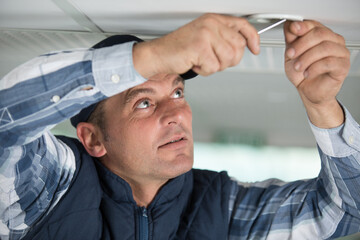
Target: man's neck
x=144 y=194
x=143 y=190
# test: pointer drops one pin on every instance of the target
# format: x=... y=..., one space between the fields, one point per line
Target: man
x=131 y=177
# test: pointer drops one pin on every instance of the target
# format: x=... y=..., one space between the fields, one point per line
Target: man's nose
x=172 y=113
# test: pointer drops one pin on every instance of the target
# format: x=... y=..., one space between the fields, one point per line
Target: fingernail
x=297 y=66
x=257 y=48
x=290 y=53
x=297 y=26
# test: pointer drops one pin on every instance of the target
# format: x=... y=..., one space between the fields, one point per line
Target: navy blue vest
x=99 y=205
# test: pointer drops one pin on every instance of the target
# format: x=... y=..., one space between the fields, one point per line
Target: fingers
x=311 y=47
x=230 y=51
x=245 y=29
x=316 y=62
x=321 y=51
x=220 y=55
x=308 y=35
x=293 y=30
x=223 y=42
x=336 y=68
x=208 y=44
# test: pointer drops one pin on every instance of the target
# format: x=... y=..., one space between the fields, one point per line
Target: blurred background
x=247 y=120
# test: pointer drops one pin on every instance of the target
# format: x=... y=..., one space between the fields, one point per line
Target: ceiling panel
x=18 y=46
x=162 y=16
x=35 y=14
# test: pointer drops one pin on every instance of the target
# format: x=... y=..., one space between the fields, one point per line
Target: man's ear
x=91 y=138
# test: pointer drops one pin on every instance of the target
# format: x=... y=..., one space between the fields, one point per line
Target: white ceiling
x=250 y=102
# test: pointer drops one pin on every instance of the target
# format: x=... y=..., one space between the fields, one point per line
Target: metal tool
x=271 y=26
x=259 y=20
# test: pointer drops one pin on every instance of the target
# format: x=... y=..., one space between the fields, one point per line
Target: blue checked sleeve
x=35 y=167
x=322 y=208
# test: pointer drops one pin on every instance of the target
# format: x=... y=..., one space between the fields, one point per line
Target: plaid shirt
x=36 y=168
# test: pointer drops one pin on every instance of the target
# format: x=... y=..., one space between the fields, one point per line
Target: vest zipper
x=143 y=224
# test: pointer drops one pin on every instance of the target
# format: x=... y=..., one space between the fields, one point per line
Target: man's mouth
x=175 y=142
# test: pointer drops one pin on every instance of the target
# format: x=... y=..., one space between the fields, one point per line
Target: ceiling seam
x=277 y=43
x=78 y=16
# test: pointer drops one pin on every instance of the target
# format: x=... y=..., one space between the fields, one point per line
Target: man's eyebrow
x=178 y=80
x=130 y=95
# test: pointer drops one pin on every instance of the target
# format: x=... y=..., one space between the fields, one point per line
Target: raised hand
x=206 y=45
x=317 y=63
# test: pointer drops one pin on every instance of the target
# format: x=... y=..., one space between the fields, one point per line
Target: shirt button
x=55 y=98
x=351 y=139
x=115 y=78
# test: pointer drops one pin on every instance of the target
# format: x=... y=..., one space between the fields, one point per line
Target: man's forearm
x=52 y=88
x=293 y=209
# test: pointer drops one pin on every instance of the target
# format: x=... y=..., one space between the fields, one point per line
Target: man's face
x=149 y=130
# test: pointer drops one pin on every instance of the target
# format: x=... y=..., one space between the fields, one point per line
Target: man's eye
x=143 y=104
x=179 y=93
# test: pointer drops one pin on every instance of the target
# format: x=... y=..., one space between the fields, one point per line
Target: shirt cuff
x=113 y=69
x=341 y=141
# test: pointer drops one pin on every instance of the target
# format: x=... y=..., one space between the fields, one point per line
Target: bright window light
x=249 y=164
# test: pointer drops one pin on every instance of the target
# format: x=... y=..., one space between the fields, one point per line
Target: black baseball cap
x=85 y=113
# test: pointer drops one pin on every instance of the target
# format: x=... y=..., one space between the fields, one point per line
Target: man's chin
x=179 y=165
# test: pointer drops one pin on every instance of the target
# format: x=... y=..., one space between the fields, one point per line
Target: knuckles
x=341 y=39
x=322 y=32
x=211 y=68
x=327 y=46
x=209 y=19
x=229 y=54
x=204 y=33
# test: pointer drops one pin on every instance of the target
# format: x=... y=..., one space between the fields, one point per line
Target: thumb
x=288 y=33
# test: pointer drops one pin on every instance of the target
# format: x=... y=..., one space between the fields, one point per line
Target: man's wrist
x=145 y=60
x=340 y=141
x=139 y=59
x=325 y=115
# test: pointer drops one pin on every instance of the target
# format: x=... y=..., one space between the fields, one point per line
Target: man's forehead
x=165 y=78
